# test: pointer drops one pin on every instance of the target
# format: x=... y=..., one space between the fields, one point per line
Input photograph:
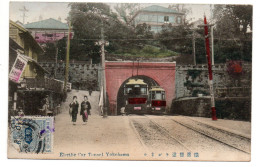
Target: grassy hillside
x=148 y=51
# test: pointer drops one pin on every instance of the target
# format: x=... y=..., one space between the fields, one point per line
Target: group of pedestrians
x=85 y=108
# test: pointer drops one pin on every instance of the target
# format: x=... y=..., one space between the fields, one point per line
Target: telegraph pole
x=56 y=59
x=67 y=60
x=193 y=47
x=24 y=10
x=103 y=70
x=213 y=109
x=102 y=44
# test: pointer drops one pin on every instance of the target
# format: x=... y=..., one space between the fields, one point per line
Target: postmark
x=31 y=134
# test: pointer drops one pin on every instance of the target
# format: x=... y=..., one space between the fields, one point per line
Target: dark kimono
x=75 y=110
x=85 y=107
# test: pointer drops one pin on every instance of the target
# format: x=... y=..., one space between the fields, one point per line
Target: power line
x=165 y=39
x=24 y=10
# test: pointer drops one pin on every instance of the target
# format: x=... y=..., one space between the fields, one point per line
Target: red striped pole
x=213 y=109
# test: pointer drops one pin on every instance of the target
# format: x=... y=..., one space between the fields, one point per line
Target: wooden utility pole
x=67 y=60
x=102 y=44
x=194 y=47
x=103 y=70
x=56 y=60
x=24 y=10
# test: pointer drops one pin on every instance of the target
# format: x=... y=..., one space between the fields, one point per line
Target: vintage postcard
x=130 y=81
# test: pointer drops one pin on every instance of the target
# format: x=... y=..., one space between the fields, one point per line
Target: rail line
x=244 y=137
x=210 y=136
x=163 y=132
x=137 y=134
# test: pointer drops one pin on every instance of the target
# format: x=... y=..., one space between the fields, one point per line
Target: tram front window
x=128 y=90
x=143 y=91
x=136 y=90
x=158 y=95
x=163 y=95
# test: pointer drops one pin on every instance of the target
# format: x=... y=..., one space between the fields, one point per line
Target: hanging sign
x=18 y=68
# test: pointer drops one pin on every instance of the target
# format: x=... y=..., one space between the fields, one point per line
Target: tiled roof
x=47 y=24
x=26 y=32
x=156 y=8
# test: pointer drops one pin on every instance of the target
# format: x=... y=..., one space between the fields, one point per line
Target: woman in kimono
x=85 y=109
x=75 y=108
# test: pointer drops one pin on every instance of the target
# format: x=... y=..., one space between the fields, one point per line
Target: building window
x=47 y=35
x=166 y=19
x=179 y=20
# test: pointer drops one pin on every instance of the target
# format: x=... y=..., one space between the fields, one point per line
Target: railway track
x=235 y=141
x=154 y=136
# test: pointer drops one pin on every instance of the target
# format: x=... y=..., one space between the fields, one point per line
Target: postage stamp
x=32 y=134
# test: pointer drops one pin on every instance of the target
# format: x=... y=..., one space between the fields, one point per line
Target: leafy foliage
x=49 y=54
x=194 y=73
x=127 y=10
x=232 y=25
x=231 y=38
x=176 y=38
x=87 y=20
x=146 y=52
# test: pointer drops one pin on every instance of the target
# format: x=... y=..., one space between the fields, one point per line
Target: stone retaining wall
x=82 y=75
x=227 y=108
x=192 y=80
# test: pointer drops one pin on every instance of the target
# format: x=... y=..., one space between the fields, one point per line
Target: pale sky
x=60 y=9
x=45 y=9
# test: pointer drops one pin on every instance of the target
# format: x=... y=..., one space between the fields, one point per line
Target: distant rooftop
x=47 y=24
x=156 y=8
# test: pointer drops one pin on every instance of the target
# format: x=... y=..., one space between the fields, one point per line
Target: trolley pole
x=213 y=109
x=67 y=61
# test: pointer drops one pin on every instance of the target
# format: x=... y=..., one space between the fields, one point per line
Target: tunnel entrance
x=120 y=95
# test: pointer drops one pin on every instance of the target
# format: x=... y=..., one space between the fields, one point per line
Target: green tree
x=183 y=9
x=176 y=38
x=233 y=40
x=127 y=10
x=49 y=53
x=87 y=20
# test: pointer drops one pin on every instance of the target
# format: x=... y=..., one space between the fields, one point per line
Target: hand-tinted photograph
x=130 y=81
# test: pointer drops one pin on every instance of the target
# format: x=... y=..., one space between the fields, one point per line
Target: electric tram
x=156 y=100
x=136 y=95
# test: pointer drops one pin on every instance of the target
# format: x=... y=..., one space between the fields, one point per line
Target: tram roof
x=157 y=88
x=136 y=82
